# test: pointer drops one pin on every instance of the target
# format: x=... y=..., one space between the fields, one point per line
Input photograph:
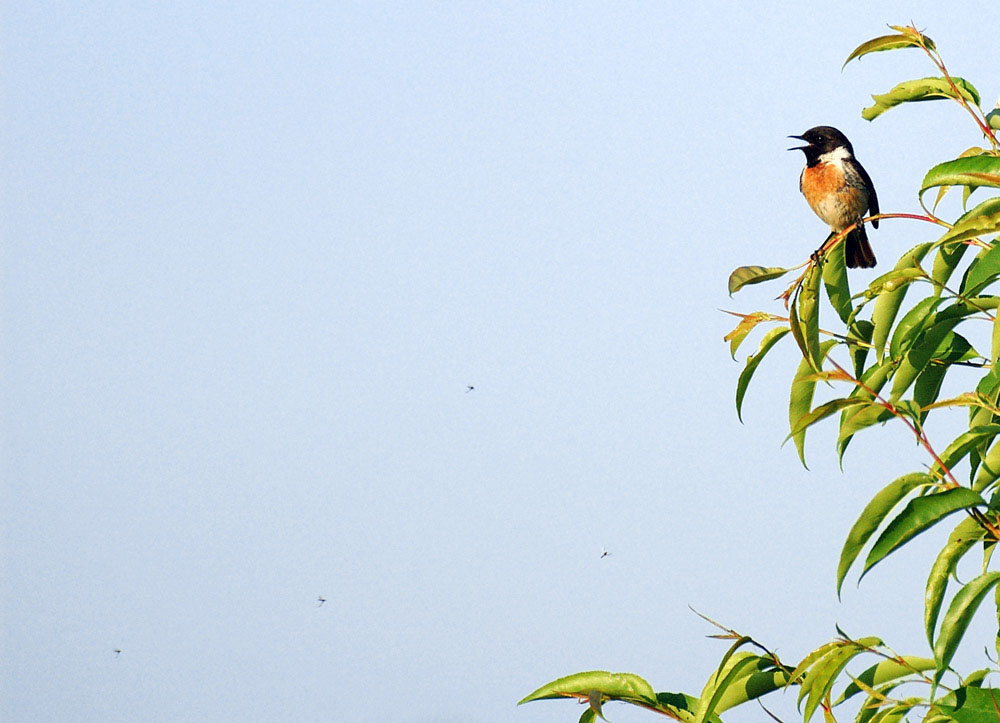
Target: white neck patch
x=837 y=154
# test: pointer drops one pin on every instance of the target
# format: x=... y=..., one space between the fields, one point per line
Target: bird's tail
x=857 y=251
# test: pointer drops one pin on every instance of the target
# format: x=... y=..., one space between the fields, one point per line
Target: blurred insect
x=604 y=553
x=321 y=600
x=469 y=388
x=118 y=651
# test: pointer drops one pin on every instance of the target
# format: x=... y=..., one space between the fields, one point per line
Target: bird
x=838 y=190
x=320 y=600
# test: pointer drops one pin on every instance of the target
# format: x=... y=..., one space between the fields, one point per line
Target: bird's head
x=822 y=140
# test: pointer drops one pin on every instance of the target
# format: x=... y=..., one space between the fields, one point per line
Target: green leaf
x=860 y=331
x=886 y=671
x=913 y=91
x=993 y=119
x=810 y=659
x=937 y=341
x=888 y=303
x=854 y=420
x=873 y=514
x=920 y=514
x=966 y=190
x=983 y=270
x=596 y=701
x=973 y=171
x=616 y=686
x=962 y=539
x=893 y=280
x=800 y=399
x=770 y=339
x=589 y=716
x=763 y=680
x=960 y=612
x=737 y=667
x=951 y=349
x=989 y=470
x=963 y=444
x=747 y=275
x=912 y=325
x=971 y=704
x=746 y=325
x=947 y=260
x=838 y=289
x=680 y=706
x=885 y=42
x=807 y=317
x=822 y=412
x=982 y=220
x=822 y=675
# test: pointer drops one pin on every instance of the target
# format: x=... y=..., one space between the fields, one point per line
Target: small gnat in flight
x=320 y=600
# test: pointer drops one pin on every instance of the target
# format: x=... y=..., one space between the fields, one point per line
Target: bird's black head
x=822 y=139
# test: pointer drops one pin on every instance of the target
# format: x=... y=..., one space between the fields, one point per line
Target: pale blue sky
x=253 y=254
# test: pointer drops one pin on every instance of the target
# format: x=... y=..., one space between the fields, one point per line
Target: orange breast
x=830 y=198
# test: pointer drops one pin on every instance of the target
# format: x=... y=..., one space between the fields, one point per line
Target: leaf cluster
x=883 y=356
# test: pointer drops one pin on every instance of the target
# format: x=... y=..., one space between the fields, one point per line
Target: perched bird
x=839 y=190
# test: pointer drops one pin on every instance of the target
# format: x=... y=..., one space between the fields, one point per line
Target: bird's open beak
x=798 y=148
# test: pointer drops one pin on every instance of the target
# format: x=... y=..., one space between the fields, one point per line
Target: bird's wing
x=872 y=198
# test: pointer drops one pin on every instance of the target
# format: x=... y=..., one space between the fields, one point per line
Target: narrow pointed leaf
x=989 y=469
x=747 y=324
x=886 y=671
x=854 y=420
x=888 y=303
x=800 y=398
x=919 y=515
x=838 y=289
x=912 y=325
x=962 y=539
x=822 y=412
x=935 y=342
x=893 y=280
x=861 y=333
x=808 y=661
x=971 y=704
x=983 y=270
x=956 y=451
x=982 y=220
x=804 y=318
x=960 y=612
x=738 y=666
x=974 y=171
x=920 y=90
x=953 y=348
x=882 y=43
x=822 y=675
x=945 y=262
x=873 y=515
x=770 y=339
x=617 y=686
x=747 y=275
x=763 y=680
